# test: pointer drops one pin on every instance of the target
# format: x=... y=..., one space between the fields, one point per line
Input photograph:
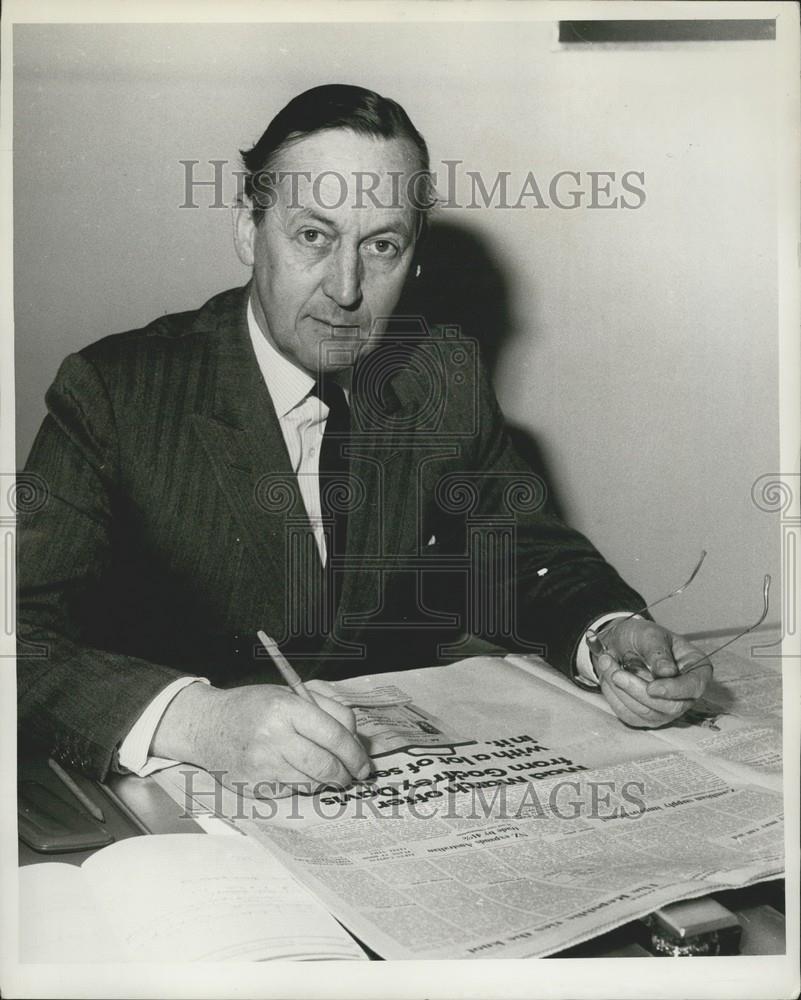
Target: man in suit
x=283 y=459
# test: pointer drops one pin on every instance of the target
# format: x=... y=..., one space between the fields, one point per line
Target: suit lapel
x=248 y=457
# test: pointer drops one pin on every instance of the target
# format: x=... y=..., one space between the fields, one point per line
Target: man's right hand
x=265 y=736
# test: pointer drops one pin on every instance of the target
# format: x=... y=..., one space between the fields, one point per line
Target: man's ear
x=244 y=230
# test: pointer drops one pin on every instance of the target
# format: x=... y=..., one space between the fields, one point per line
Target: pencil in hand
x=285 y=668
x=290 y=675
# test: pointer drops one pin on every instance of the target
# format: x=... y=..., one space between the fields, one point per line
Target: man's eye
x=312 y=237
x=382 y=248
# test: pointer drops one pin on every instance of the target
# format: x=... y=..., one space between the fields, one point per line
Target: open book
x=512 y=815
x=177 y=898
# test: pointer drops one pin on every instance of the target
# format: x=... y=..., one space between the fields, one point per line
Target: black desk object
x=132 y=807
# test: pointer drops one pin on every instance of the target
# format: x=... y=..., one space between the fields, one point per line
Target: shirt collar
x=286 y=384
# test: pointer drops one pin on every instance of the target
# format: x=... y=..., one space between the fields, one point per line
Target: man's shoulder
x=172 y=333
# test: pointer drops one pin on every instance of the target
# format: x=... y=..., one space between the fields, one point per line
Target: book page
x=195 y=897
x=58 y=917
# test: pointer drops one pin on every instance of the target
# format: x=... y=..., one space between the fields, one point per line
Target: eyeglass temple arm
x=595 y=642
x=673 y=593
x=745 y=631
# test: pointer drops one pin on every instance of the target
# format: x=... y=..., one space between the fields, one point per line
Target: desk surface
x=138 y=806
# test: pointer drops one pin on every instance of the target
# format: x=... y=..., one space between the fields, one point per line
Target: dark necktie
x=334 y=480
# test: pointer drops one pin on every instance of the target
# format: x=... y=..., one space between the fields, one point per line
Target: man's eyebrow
x=396 y=224
x=302 y=214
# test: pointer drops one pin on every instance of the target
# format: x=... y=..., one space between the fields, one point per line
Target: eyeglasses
x=745 y=631
x=597 y=645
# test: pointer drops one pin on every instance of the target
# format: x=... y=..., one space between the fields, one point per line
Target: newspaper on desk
x=512 y=815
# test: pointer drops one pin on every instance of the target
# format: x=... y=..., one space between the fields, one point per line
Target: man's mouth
x=345 y=330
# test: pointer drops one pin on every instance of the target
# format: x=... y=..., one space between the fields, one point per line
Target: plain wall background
x=636 y=351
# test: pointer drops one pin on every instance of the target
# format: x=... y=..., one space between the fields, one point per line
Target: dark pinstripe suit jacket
x=172 y=529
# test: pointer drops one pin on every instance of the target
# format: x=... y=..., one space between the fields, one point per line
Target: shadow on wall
x=462 y=284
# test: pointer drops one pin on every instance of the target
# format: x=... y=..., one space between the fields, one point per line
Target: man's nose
x=343 y=279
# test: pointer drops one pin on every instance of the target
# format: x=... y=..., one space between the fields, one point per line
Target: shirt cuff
x=584 y=667
x=134 y=752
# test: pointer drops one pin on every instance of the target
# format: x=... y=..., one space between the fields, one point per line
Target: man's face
x=330 y=257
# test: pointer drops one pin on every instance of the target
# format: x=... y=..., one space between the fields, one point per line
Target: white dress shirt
x=301 y=418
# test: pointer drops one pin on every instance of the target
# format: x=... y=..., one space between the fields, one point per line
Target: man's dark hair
x=334 y=106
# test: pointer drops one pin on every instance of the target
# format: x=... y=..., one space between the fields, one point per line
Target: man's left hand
x=650 y=676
